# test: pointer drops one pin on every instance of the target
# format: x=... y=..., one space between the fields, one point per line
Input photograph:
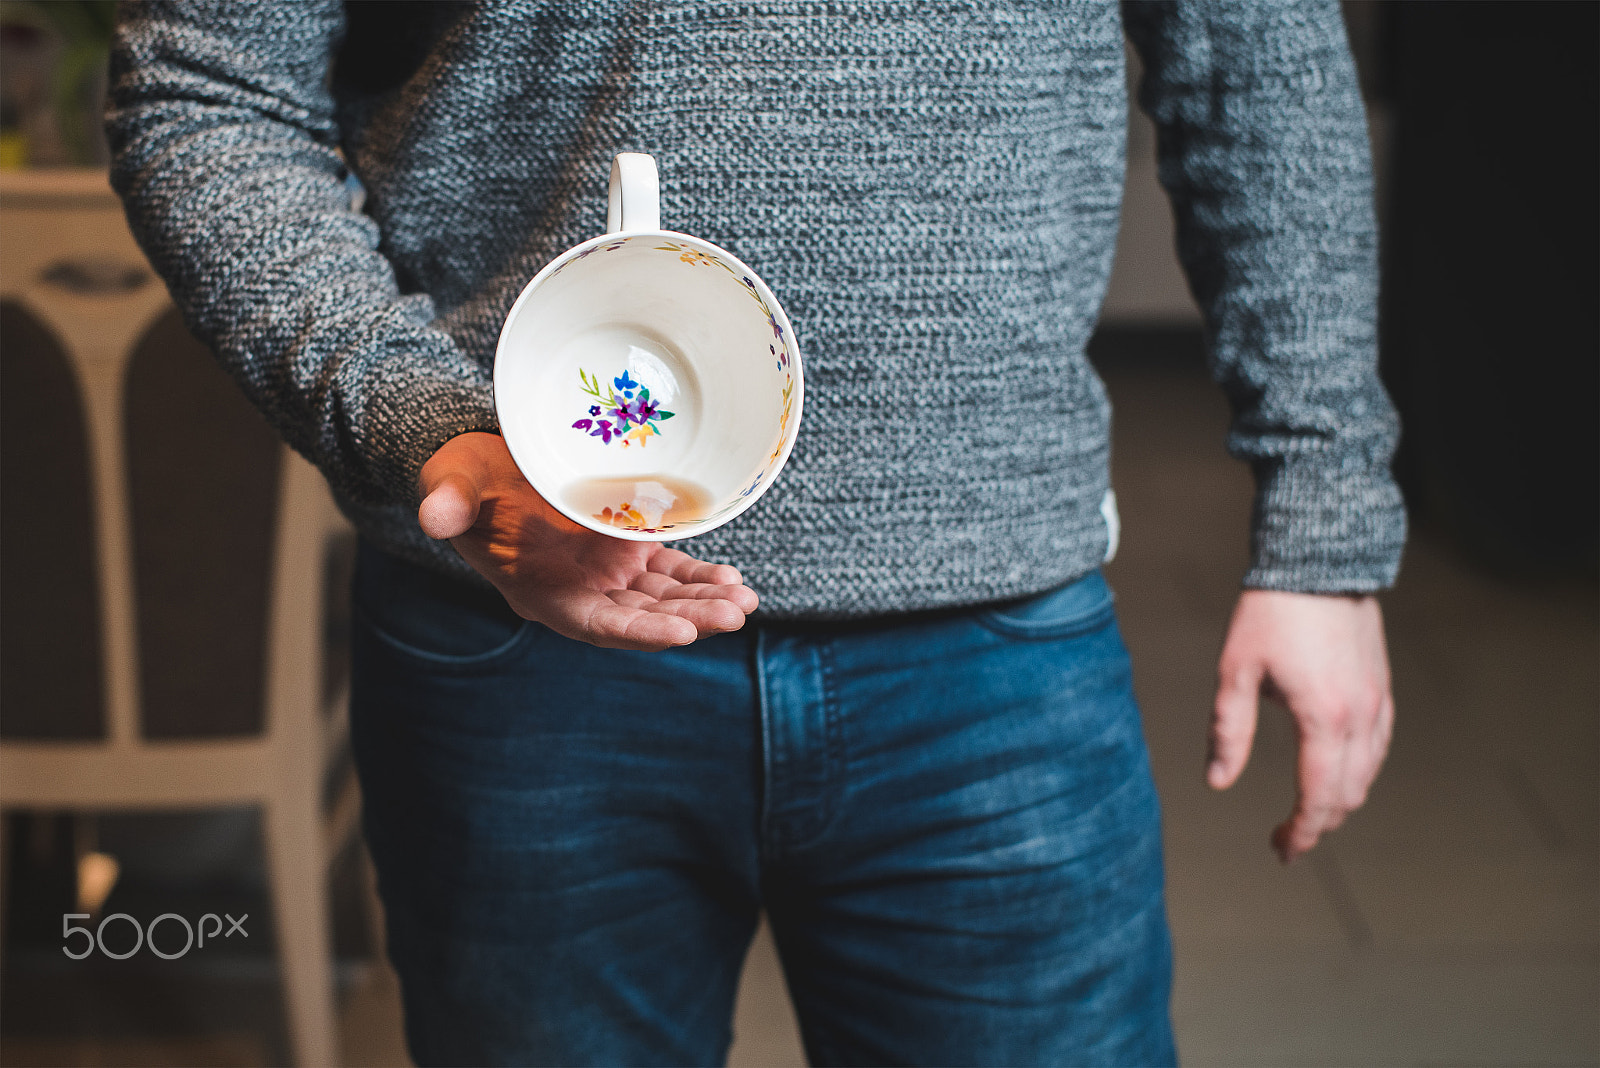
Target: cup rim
x=796 y=364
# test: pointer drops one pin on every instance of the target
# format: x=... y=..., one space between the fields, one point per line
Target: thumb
x=1233 y=722
x=450 y=508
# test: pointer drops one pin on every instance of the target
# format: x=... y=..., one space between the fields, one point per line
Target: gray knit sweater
x=931 y=188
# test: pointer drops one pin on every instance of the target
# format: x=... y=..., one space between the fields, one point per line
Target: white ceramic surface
x=651 y=367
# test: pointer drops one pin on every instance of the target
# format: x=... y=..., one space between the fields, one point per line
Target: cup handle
x=635 y=198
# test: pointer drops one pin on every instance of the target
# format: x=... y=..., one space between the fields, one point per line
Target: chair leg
x=377 y=923
x=300 y=907
x=5 y=873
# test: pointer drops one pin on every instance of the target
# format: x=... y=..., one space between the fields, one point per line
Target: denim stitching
x=444 y=661
x=1048 y=629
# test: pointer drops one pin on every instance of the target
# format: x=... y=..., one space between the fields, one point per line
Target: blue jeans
x=948 y=817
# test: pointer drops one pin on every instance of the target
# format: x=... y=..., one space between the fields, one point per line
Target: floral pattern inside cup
x=622 y=408
x=625 y=411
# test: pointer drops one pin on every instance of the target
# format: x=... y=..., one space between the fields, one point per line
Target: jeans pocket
x=431 y=617
x=1079 y=607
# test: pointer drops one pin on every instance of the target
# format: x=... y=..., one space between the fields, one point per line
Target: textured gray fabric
x=932 y=189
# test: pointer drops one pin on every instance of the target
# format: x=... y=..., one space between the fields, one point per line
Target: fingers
x=1384 y=732
x=1233 y=722
x=676 y=564
x=630 y=628
x=632 y=619
x=1368 y=744
x=1342 y=746
x=710 y=614
x=592 y=617
x=1320 y=803
x=450 y=508
x=663 y=587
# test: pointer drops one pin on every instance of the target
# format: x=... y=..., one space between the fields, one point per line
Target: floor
x=1456 y=918
x=1453 y=921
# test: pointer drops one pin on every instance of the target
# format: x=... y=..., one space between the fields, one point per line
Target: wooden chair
x=72 y=275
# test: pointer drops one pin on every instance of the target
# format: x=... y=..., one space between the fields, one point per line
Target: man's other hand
x=604 y=591
x=1324 y=658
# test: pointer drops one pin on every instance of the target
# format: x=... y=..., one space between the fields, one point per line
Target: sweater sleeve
x=224 y=151
x=1263 y=150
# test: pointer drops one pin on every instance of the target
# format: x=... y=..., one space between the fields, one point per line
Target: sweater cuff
x=1320 y=529
x=434 y=413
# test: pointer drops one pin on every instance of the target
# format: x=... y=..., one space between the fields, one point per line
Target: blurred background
x=1454 y=920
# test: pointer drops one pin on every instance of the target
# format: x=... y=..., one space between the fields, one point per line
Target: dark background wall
x=1491 y=340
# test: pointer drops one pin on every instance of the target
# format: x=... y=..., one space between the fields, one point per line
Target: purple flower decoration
x=644 y=409
x=622 y=409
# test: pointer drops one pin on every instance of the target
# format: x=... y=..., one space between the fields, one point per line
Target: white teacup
x=647 y=382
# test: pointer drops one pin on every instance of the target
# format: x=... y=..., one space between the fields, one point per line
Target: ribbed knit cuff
x=433 y=413
x=1320 y=529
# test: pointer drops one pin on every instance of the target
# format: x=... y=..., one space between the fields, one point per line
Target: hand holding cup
x=648 y=387
x=606 y=591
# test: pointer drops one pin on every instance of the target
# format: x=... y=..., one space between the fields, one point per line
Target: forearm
x=224 y=152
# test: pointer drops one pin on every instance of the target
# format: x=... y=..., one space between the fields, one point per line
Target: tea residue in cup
x=647 y=505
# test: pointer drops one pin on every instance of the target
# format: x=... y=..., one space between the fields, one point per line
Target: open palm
x=604 y=591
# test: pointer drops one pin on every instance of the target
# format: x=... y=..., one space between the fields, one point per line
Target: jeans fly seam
x=833 y=740
x=763 y=700
x=824 y=805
